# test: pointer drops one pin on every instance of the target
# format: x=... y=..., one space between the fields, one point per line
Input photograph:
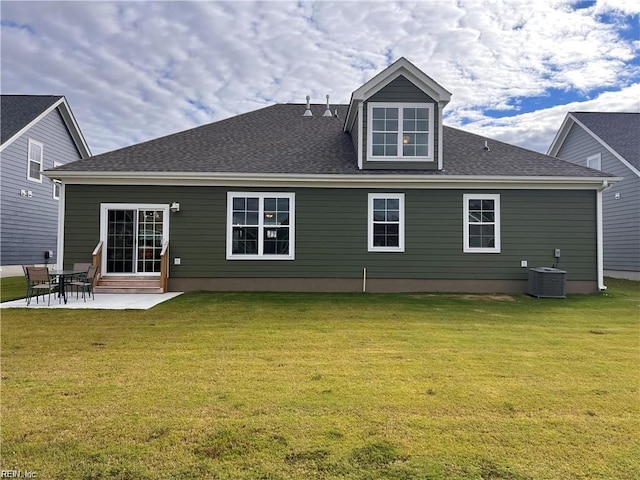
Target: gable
x=400 y=90
x=403 y=67
x=617 y=133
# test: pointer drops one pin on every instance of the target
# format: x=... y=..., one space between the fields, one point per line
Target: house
x=610 y=142
x=38 y=132
x=377 y=195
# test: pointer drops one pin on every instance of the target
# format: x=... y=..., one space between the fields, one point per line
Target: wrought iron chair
x=38 y=283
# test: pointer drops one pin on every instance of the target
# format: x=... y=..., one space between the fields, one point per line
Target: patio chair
x=39 y=282
x=80 y=269
x=85 y=281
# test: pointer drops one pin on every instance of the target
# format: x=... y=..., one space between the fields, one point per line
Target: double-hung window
x=260 y=226
x=481 y=223
x=386 y=222
x=34 y=163
x=400 y=131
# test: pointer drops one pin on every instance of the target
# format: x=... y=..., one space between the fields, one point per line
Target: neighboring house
x=376 y=195
x=38 y=132
x=610 y=142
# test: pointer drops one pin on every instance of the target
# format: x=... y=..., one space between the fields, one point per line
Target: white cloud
x=537 y=129
x=137 y=70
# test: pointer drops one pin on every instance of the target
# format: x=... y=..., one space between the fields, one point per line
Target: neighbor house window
x=57 y=184
x=594 y=161
x=400 y=131
x=260 y=226
x=481 y=223
x=386 y=222
x=34 y=164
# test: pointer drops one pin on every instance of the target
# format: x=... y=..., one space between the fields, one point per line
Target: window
x=34 y=165
x=57 y=184
x=400 y=131
x=386 y=222
x=594 y=161
x=260 y=226
x=481 y=223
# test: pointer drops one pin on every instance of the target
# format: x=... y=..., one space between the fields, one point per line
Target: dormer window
x=400 y=131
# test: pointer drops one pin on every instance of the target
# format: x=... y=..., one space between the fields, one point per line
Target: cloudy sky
x=132 y=71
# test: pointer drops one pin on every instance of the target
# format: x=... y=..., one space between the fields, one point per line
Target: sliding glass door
x=133 y=236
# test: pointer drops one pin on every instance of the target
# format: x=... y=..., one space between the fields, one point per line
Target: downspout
x=600 y=236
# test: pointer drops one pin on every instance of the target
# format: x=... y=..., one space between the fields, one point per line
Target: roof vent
x=307 y=112
x=486 y=146
x=327 y=112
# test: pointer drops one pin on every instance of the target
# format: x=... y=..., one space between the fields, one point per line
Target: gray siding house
x=38 y=132
x=610 y=142
x=377 y=195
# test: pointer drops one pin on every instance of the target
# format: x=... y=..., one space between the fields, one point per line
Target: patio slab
x=103 y=301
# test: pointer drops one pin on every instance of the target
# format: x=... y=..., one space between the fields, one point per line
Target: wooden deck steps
x=127 y=284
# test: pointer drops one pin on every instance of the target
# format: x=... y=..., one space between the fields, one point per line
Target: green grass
x=327 y=386
x=12 y=288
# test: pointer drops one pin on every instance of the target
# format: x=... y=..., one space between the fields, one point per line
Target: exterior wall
x=331 y=238
x=621 y=216
x=401 y=90
x=29 y=224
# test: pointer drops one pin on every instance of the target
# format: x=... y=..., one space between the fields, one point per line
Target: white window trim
x=57 y=183
x=399 y=157
x=29 y=177
x=481 y=196
x=261 y=196
x=400 y=247
x=597 y=159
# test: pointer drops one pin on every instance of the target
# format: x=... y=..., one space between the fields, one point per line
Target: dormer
x=395 y=119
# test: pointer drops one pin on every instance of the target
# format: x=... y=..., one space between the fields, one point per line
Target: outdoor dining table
x=62 y=276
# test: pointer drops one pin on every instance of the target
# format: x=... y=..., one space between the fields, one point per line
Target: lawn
x=327 y=386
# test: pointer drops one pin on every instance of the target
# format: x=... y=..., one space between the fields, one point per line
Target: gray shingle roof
x=17 y=111
x=278 y=139
x=621 y=131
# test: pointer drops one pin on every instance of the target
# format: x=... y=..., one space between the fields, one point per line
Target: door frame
x=105 y=207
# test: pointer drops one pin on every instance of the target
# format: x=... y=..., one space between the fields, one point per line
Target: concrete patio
x=103 y=301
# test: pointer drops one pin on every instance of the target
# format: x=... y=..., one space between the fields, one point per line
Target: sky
x=134 y=71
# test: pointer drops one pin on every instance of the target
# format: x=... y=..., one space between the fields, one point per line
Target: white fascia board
x=331 y=181
x=351 y=113
x=72 y=125
x=561 y=135
x=360 y=126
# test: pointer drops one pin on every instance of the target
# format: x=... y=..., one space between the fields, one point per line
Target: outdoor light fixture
x=175 y=207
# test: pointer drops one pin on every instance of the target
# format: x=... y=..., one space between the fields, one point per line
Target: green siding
x=401 y=90
x=331 y=233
